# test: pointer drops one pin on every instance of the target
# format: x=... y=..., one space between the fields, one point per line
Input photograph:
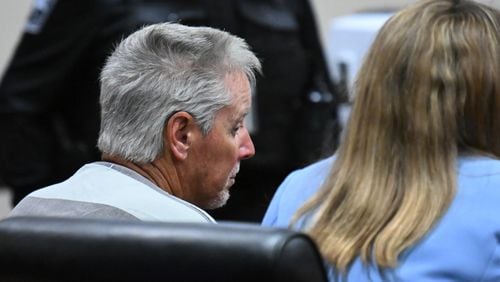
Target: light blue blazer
x=463 y=246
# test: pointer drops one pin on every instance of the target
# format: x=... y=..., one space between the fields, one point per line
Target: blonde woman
x=413 y=192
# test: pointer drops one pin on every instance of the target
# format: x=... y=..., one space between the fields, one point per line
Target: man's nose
x=247 y=149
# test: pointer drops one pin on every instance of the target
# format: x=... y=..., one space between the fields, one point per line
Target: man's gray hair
x=162 y=69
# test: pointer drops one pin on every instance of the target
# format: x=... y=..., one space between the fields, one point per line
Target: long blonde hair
x=427 y=91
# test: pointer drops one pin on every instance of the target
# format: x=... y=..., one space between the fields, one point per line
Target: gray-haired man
x=173 y=101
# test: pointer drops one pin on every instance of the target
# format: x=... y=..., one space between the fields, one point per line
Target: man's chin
x=219 y=201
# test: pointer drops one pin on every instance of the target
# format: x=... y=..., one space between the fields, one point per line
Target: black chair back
x=57 y=249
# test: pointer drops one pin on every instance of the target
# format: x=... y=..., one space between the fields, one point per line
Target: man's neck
x=158 y=172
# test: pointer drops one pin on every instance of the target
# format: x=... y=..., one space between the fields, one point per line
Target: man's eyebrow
x=243 y=114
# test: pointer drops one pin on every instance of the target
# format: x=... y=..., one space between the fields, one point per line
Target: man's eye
x=236 y=129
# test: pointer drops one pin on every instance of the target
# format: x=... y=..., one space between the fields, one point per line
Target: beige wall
x=13 y=14
x=327 y=9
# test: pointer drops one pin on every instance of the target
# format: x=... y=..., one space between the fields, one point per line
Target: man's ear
x=178 y=134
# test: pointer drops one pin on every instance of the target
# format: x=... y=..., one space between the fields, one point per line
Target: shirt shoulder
x=464 y=243
x=294 y=191
x=123 y=189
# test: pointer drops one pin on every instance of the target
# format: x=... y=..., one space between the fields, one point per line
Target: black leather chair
x=57 y=249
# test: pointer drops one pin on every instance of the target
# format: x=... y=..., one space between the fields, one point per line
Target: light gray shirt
x=109 y=191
